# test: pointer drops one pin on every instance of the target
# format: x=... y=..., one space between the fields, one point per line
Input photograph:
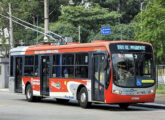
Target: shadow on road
x=107 y=107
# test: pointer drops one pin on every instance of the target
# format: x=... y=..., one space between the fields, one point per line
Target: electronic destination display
x=130 y=47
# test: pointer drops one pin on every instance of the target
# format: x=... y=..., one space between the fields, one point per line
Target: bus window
x=29 y=60
x=36 y=66
x=81 y=70
x=68 y=72
x=28 y=71
x=82 y=59
x=68 y=66
x=56 y=59
x=68 y=59
x=144 y=62
x=28 y=67
x=56 y=70
x=129 y=68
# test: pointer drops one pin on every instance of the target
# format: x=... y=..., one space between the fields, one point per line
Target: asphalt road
x=15 y=107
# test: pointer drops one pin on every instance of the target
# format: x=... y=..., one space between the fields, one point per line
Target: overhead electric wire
x=36 y=26
x=33 y=26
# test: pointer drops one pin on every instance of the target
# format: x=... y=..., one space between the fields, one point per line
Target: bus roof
x=22 y=50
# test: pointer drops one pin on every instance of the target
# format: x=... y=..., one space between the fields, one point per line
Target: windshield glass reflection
x=130 y=67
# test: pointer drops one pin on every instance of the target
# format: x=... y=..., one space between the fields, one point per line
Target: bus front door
x=45 y=73
x=18 y=74
x=98 y=79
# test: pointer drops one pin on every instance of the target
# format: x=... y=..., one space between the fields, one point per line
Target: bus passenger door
x=98 y=79
x=44 y=75
x=18 y=74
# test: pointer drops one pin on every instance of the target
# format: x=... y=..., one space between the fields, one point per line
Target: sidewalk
x=159 y=102
x=160 y=99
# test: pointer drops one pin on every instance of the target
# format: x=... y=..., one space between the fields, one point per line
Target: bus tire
x=83 y=98
x=29 y=94
x=124 y=105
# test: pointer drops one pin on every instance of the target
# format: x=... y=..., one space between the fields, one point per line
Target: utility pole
x=11 y=27
x=46 y=19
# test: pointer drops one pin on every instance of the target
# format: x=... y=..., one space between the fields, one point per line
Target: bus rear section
x=133 y=74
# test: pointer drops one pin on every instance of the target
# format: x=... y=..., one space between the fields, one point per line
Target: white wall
x=4 y=73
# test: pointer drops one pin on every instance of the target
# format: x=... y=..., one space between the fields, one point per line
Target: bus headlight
x=151 y=91
x=117 y=92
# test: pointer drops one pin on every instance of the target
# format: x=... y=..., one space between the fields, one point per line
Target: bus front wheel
x=83 y=98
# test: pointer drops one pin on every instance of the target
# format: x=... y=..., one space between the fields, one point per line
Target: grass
x=161 y=89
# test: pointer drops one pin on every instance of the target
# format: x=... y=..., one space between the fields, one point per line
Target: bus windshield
x=133 y=69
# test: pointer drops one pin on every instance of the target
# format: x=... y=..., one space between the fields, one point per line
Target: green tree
x=4 y=47
x=89 y=19
x=128 y=8
x=150 y=28
x=65 y=29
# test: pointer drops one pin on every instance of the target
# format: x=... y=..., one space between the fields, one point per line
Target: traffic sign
x=105 y=30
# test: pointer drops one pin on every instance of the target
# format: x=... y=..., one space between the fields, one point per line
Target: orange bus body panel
x=34 y=81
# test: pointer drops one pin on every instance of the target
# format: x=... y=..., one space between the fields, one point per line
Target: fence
x=160 y=74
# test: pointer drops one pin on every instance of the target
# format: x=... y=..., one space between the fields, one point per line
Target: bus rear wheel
x=29 y=94
x=124 y=105
x=83 y=98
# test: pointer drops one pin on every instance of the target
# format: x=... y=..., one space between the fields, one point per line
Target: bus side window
x=36 y=66
x=81 y=69
x=68 y=66
x=29 y=66
x=56 y=70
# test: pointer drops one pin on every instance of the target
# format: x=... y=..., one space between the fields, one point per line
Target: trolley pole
x=11 y=27
x=46 y=19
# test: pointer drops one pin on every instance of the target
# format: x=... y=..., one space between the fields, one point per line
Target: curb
x=4 y=90
x=150 y=105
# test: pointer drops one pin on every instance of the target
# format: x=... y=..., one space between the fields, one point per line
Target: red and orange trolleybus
x=120 y=72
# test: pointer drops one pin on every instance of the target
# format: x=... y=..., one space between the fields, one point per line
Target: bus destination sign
x=131 y=47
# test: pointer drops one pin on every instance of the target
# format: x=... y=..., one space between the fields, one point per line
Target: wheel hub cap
x=83 y=97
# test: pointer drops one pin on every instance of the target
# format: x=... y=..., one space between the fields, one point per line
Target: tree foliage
x=89 y=19
x=128 y=8
x=150 y=28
